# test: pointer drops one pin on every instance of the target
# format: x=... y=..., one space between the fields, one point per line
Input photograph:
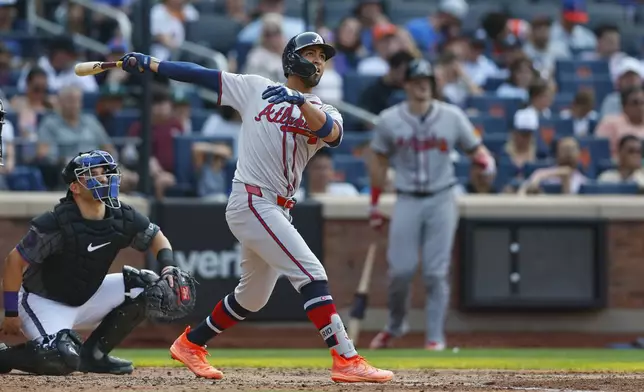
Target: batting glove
x=376 y=219
x=142 y=64
x=279 y=94
x=487 y=162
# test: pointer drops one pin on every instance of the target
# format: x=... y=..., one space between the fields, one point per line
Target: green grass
x=508 y=359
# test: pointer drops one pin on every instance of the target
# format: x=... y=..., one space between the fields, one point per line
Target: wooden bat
x=95 y=67
x=361 y=296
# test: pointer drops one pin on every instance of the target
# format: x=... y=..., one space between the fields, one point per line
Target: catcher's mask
x=106 y=191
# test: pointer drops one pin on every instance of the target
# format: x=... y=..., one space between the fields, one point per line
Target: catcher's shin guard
x=58 y=355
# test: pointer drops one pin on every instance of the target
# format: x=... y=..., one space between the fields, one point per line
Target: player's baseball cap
x=526 y=120
x=575 y=11
x=626 y=65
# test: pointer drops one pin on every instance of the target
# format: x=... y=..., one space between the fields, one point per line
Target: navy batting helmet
x=293 y=63
x=419 y=69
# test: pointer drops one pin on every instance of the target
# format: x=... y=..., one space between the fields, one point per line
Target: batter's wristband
x=375 y=195
x=11 y=303
x=165 y=257
x=326 y=128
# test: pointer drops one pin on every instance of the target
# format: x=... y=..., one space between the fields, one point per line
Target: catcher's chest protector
x=75 y=274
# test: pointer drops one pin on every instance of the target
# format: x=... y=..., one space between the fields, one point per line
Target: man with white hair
x=628 y=73
x=430 y=31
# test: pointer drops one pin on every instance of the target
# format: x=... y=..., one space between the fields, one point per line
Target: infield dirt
x=180 y=379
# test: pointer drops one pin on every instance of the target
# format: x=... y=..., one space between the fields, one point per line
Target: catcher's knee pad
x=57 y=355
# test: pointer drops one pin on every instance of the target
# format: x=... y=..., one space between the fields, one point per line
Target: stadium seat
x=562 y=101
x=354 y=84
x=531 y=167
x=599 y=14
x=89 y=100
x=122 y=121
x=352 y=170
x=492 y=84
x=335 y=10
x=183 y=155
x=593 y=150
x=598 y=188
x=601 y=86
x=527 y=11
x=488 y=125
x=494 y=106
x=218 y=32
x=352 y=143
x=551 y=189
x=495 y=143
x=199 y=118
x=603 y=165
x=462 y=168
x=505 y=172
x=582 y=69
x=396 y=98
x=411 y=10
x=241 y=50
x=549 y=131
x=26 y=178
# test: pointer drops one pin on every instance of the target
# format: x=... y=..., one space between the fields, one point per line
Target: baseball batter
x=416 y=138
x=283 y=127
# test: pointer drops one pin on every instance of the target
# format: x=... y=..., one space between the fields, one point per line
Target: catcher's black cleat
x=107 y=364
x=4 y=368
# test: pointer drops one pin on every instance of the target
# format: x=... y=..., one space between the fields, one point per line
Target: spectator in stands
x=370 y=13
x=582 y=113
x=36 y=101
x=376 y=97
x=323 y=179
x=608 y=46
x=8 y=156
x=110 y=102
x=431 y=31
x=522 y=74
x=629 y=72
x=330 y=87
x=629 y=122
x=6 y=68
x=63 y=134
x=478 y=183
x=476 y=64
x=224 y=122
x=210 y=165
x=59 y=66
x=72 y=16
x=502 y=31
x=386 y=43
x=265 y=59
x=570 y=29
x=8 y=14
x=236 y=10
x=114 y=76
x=291 y=26
x=182 y=109
x=521 y=147
x=564 y=173
x=453 y=83
x=167 y=19
x=541 y=50
x=348 y=46
x=629 y=163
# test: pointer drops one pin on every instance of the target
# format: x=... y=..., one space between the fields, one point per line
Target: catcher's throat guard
x=104 y=184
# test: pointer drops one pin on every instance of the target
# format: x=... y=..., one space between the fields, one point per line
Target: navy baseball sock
x=226 y=313
x=321 y=311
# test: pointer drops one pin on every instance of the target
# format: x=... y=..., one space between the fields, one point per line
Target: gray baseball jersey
x=271 y=155
x=420 y=150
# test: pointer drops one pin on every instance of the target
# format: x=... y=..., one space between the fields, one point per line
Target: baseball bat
x=361 y=296
x=95 y=67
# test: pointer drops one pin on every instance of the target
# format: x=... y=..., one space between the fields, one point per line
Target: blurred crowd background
x=554 y=87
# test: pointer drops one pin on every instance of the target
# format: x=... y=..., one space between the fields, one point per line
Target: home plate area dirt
x=180 y=379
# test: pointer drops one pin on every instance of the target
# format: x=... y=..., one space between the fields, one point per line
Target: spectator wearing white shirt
x=386 y=42
x=265 y=59
x=59 y=67
x=522 y=74
x=476 y=65
x=8 y=155
x=629 y=163
x=291 y=26
x=321 y=177
x=570 y=30
x=167 y=20
x=453 y=82
x=544 y=52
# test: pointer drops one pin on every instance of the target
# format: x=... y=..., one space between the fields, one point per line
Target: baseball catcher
x=56 y=279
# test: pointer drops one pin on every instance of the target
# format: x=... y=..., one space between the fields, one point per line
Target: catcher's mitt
x=171 y=297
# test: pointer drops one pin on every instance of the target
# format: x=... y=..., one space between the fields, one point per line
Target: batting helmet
x=82 y=165
x=419 y=69
x=293 y=63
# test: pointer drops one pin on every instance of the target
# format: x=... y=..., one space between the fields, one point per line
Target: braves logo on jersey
x=284 y=116
x=419 y=145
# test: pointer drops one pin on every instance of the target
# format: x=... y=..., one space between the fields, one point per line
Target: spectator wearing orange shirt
x=629 y=122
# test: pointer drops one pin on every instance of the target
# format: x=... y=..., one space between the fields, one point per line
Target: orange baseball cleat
x=356 y=369
x=194 y=357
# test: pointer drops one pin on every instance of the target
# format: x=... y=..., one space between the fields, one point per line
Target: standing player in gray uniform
x=416 y=138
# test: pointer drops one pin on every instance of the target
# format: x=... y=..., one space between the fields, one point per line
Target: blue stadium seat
x=354 y=84
x=495 y=143
x=199 y=118
x=598 y=188
x=396 y=98
x=562 y=101
x=492 y=84
x=530 y=168
x=122 y=122
x=183 y=171
x=549 y=131
x=551 y=189
x=494 y=106
x=26 y=178
x=241 y=50
x=505 y=172
x=354 y=170
x=601 y=87
x=603 y=165
x=462 y=168
x=412 y=10
x=488 y=125
x=335 y=10
x=352 y=142
x=218 y=32
x=90 y=100
x=593 y=150
x=582 y=69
